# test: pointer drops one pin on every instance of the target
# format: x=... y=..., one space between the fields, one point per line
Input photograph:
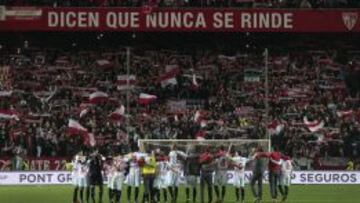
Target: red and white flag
x=118 y=114
x=89 y=140
x=5 y=93
x=146 y=99
x=275 y=127
x=313 y=126
x=200 y=135
x=295 y=93
x=194 y=83
x=169 y=77
x=199 y=118
x=75 y=128
x=148 y=8
x=84 y=109
x=122 y=82
x=8 y=114
x=344 y=114
x=104 y=63
x=62 y=60
x=98 y=97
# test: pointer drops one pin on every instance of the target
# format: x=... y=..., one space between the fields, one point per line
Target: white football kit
x=174 y=168
x=239 y=173
x=161 y=175
x=286 y=169
x=75 y=171
x=117 y=174
x=134 y=176
x=221 y=171
x=83 y=175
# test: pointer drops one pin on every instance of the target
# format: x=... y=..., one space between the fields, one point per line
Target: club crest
x=350 y=19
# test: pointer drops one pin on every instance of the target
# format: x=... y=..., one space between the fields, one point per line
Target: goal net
x=243 y=145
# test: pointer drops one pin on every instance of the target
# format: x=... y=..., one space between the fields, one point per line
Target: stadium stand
x=189 y=3
x=207 y=93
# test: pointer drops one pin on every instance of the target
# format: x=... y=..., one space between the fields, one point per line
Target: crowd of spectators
x=189 y=3
x=214 y=96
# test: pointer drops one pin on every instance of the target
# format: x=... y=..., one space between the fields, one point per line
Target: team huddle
x=161 y=172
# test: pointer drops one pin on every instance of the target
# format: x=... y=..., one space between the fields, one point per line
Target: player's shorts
x=160 y=181
x=220 y=178
x=133 y=178
x=191 y=180
x=82 y=181
x=173 y=178
x=285 y=180
x=75 y=180
x=95 y=179
x=239 y=180
x=116 y=181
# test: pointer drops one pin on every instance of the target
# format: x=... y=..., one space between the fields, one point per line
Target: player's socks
x=210 y=193
x=187 y=191
x=286 y=192
x=171 y=193
x=128 y=194
x=118 y=196
x=92 y=194
x=281 y=190
x=101 y=190
x=165 y=195
x=242 y=194
x=223 y=192
x=237 y=193
x=176 y=193
x=88 y=194
x=81 y=195
x=136 y=194
x=75 y=194
x=217 y=192
x=156 y=194
x=194 y=194
x=111 y=195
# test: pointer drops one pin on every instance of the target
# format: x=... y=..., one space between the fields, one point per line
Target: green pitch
x=298 y=194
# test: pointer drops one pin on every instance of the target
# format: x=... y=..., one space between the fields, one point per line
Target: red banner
x=177 y=20
x=36 y=164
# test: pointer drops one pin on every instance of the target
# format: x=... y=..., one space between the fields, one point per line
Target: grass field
x=298 y=193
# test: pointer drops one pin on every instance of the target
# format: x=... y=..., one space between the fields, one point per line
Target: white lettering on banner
x=266 y=20
x=122 y=20
x=223 y=20
x=64 y=177
x=73 y=19
x=175 y=20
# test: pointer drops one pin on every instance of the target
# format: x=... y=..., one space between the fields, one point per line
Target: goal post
x=243 y=145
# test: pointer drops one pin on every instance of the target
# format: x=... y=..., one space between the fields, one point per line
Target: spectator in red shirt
x=274 y=167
